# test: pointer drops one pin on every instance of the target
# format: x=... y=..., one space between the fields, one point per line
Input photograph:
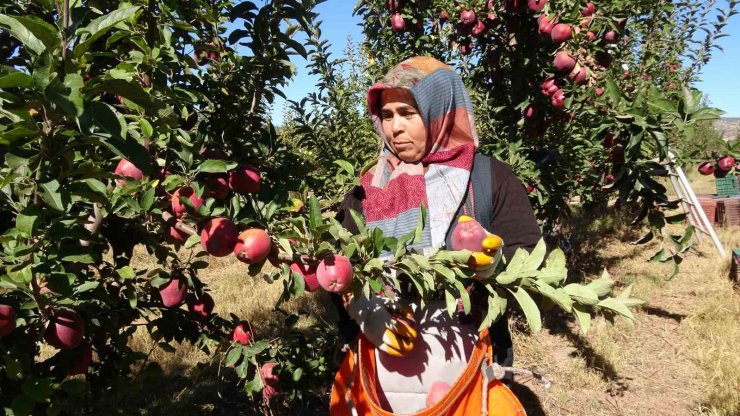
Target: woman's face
x=402 y=124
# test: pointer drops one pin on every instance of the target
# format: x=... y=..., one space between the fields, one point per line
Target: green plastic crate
x=727 y=186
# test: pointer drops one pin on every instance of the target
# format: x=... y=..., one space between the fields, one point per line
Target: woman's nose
x=397 y=124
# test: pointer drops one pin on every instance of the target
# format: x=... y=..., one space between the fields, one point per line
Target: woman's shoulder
x=501 y=170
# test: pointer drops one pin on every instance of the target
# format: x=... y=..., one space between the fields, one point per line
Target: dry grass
x=680 y=358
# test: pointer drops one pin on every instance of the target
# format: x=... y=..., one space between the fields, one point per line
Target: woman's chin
x=409 y=156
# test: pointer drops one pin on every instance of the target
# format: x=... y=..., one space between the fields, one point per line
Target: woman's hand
x=390 y=329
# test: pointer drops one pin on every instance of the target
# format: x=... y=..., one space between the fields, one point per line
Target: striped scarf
x=394 y=190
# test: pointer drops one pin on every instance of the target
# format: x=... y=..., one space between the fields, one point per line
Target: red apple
x=561 y=32
x=393 y=6
x=252 y=246
x=7 y=320
x=530 y=112
x=308 y=271
x=173 y=292
x=479 y=29
x=536 y=5
x=218 y=236
x=397 y=22
x=178 y=208
x=217 y=186
x=243 y=333
x=468 y=235
x=65 y=329
x=530 y=188
x=268 y=392
x=545 y=25
x=726 y=163
x=610 y=36
x=706 y=168
x=564 y=62
x=334 y=273
x=467 y=17
x=177 y=235
x=437 y=392
x=590 y=36
x=579 y=75
x=268 y=374
x=245 y=179
x=85 y=355
x=558 y=99
x=609 y=179
x=549 y=86
x=589 y=9
x=599 y=91
x=128 y=169
x=202 y=306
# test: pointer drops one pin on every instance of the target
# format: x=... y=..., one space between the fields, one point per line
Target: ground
x=681 y=356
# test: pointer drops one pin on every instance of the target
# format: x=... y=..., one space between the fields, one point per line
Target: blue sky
x=720 y=80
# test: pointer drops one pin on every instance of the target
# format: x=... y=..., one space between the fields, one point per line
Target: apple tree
x=127 y=124
x=584 y=99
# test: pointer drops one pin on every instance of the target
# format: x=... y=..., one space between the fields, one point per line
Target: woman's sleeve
x=513 y=216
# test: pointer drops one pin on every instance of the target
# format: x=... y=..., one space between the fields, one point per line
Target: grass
x=680 y=358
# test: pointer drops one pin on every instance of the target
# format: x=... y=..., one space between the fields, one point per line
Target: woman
x=424 y=115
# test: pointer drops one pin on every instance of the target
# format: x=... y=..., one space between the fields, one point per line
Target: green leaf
x=314 y=213
x=582 y=294
x=617 y=306
x=530 y=309
x=146 y=128
x=103 y=116
x=707 y=113
x=559 y=296
x=100 y=26
x=536 y=256
x=16 y=79
x=464 y=296
x=55 y=196
x=583 y=317
x=73 y=252
x=420 y=225
x=22 y=33
x=601 y=286
x=346 y=166
x=663 y=106
x=214 y=166
x=38 y=389
x=233 y=356
x=360 y=222
x=612 y=91
x=130 y=91
x=496 y=308
x=86 y=287
x=27 y=221
x=126 y=272
x=554 y=271
x=147 y=200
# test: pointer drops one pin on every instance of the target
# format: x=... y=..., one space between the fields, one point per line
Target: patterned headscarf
x=394 y=190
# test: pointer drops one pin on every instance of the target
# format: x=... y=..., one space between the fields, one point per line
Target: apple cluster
x=724 y=165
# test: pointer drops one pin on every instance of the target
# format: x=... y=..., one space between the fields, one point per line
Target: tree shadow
x=528 y=398
x=662 y=313
x=586 y=234
x=561 y=324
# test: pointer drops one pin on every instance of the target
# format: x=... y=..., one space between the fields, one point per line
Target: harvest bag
x=354 y=392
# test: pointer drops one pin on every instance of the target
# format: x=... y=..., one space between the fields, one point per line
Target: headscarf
x=394 y=189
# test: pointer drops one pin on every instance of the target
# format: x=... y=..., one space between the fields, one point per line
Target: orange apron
x=354 y=392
